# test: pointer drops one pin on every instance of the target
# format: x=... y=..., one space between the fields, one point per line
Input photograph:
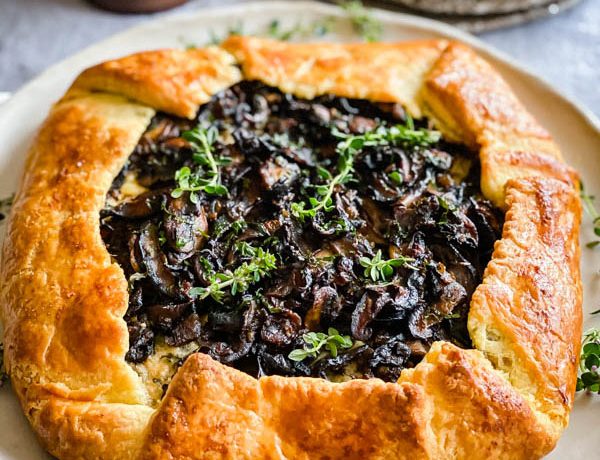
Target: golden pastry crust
x=384 y=72
x=63 y=299
x=174 y=81
x=534 y=278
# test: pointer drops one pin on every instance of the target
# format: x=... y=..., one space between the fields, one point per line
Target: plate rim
x=385 y=16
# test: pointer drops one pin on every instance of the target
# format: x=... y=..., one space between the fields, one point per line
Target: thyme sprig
x=315 y=341
x=382 y=270
x=299 y=30
x=363 y=23
x=348 y=147
x=589 y=364
x=259 y=265
x=404 y=135
x=207 y=178
x=346 y=150
x=362 y=20
x=588 y=206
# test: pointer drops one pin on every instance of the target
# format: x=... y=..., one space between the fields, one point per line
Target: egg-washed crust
x=63 y=300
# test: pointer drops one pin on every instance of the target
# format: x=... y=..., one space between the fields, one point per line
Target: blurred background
x=557 y=39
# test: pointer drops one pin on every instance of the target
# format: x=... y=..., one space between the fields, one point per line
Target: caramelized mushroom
x=185 y=225
x=155 y=262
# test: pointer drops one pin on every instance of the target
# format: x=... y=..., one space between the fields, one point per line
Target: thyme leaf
x=382 y=270
x=300 y=30
x=237 y=29
x=589 y=363
x=590 y=209
x=315 y=341
x=396 y=177
x=362 y=20
x=239 y=280
x=446 y=208
x=207 y=177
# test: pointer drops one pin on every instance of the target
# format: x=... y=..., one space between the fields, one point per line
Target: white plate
x=576 y=130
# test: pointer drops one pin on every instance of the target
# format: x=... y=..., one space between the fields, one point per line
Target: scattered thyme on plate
x=361 y=19
x=588 y=206
x=589 y=364
x=317 y=28
x=363 y=22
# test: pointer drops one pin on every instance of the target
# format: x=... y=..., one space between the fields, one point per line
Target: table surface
x=563 y=49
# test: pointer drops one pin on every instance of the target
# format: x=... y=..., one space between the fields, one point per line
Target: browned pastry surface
x=174 y=81
x=453 y=405
x=63 y=299
x=534 y=279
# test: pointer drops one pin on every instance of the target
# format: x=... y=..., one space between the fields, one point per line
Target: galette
x=265 y=250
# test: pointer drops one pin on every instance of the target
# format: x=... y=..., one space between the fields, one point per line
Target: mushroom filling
x=332 y=238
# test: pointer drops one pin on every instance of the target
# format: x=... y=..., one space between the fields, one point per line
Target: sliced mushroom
x=278 y=172
x=446 y=291
x=140 y=207
x=186 y=331
x=407 y=202
x=185 y=225
x=326 y=303
x=228 y=353
x=281 y=329
x=155 y=262
x=365 y=312
x=394 y=353
x=166 y=316
x=141 y=342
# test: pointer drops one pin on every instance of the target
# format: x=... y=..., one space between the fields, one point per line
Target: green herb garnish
x=315 y=341
x=300 y=30
x=446 y=208
x=589 y=364
x=588 y=206
x=396 y=177
x=382 y=270
x=239 y=280
x=207 y=178
x=362 y=20
x=346 y=151
x=237 y=29
x=405 y=135
x=347 y=148
x=452 y=316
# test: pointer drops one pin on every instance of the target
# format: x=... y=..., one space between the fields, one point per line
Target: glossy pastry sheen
x=63 y=299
